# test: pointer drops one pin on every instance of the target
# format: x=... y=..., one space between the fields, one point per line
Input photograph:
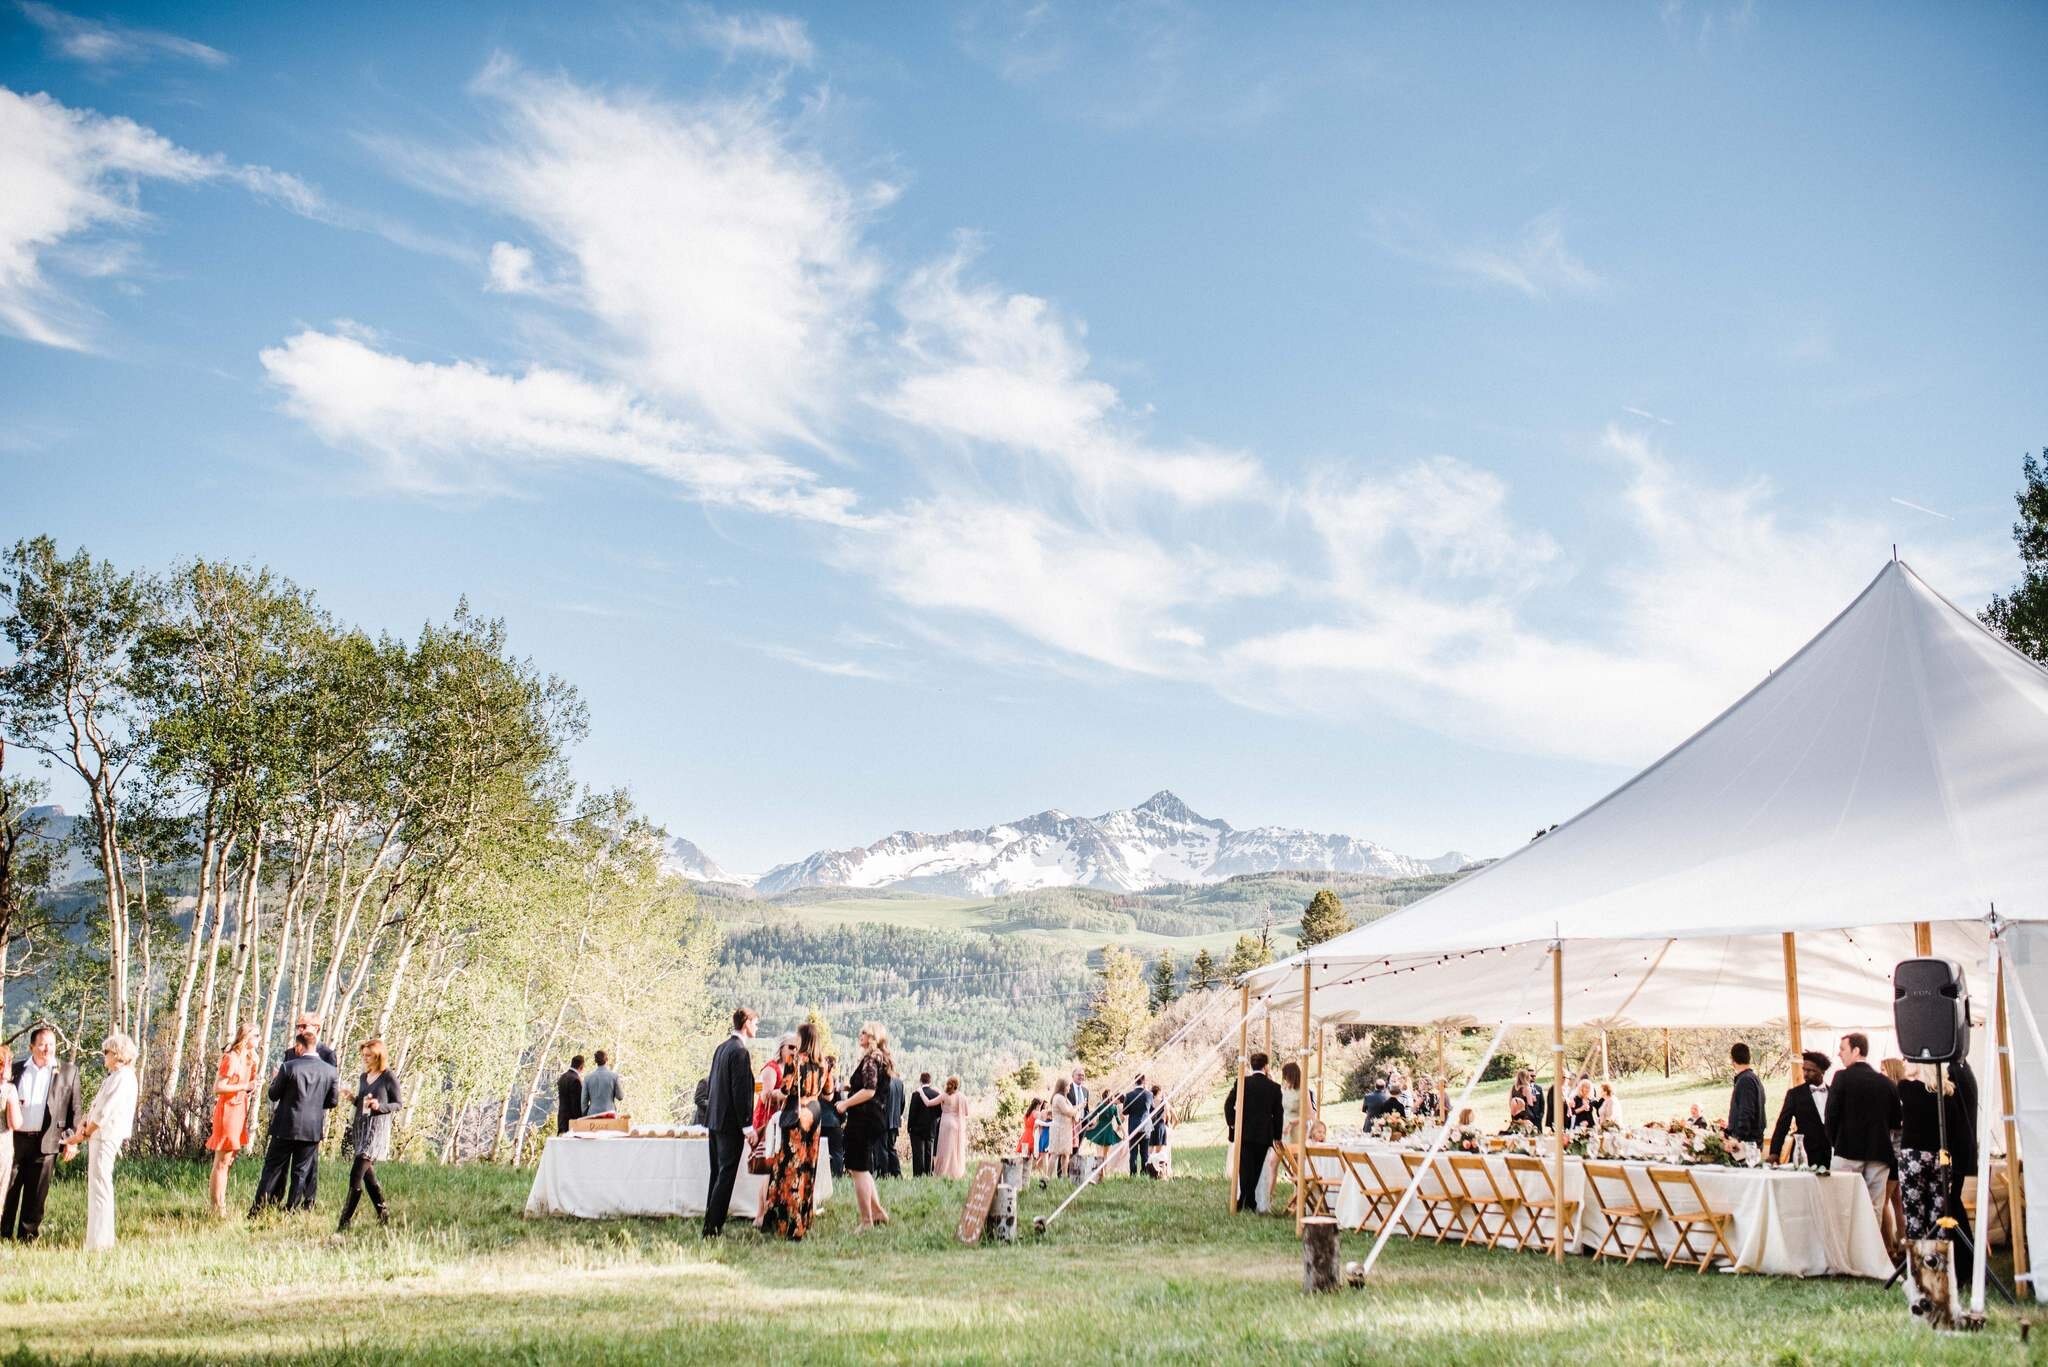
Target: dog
x=1934 y=1288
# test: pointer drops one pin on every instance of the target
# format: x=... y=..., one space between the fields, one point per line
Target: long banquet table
x=600 y=1177
x=1789 y=1223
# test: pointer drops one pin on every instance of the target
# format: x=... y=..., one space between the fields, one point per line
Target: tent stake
x=1237 y=1130
x=1557 y=1096
x=2015 y=1197
x=1792 y=1025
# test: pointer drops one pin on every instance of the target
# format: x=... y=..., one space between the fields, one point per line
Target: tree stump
x=1319 y=1254
x=1002 y=1215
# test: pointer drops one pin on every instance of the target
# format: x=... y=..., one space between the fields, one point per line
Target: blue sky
x=1391 y=420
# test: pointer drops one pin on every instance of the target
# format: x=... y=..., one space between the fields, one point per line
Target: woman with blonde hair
x=867 y=1120
x=230 y=1135
x=108 y=1123
x=377 y=1100
x=10 y=1115
x=950 y=1157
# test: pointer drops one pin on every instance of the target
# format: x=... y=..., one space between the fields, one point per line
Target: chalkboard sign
x=979 y=1194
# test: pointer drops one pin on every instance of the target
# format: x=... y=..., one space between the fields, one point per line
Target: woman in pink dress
x=231 y=1112
x=951 y=1158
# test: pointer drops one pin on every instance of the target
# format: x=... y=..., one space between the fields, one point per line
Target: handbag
x=768 y=1143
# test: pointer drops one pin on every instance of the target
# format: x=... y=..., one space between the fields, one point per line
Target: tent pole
x=1301 y=1108
x=1237 y=1131
x=1605 y=1076
x=2015 y=1198
x=1983 y=1244
x=1923 y=939
x=1792 y=1023
x=1667 y=1052
x=1557 y=1064
x=1321 y=1032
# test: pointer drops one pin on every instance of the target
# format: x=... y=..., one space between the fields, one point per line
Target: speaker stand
x=1954 y=1229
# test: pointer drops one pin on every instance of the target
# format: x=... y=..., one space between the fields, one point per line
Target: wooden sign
x=979 y=1193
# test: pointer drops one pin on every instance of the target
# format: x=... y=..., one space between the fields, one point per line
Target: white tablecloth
x=1800 y=1224
x=601 y=1177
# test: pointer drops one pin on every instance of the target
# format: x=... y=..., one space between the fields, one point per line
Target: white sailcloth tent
x=1887 y=788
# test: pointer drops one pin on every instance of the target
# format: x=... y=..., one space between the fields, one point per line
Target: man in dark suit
x=48 y=1090
x=1802 y=1113
x=569 y=1095
x=1962 y=1148
x=1746 y=1101
x=1863 y=1109
x=1379 y=1101
x=304 y=1089
x=732 y=1118
x=1264 y=1118
x=923 y=1122
x=309 y=1024
x=890 y=1165
x=1137 y=1107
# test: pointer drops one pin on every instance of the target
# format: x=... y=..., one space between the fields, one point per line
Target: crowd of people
x=1060 y=1127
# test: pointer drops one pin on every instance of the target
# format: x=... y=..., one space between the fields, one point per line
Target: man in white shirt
x=48 y=1091
x=1080 y=1099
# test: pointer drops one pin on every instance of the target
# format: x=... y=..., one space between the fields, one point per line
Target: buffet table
x=1786 y=1222
x=604 y=1176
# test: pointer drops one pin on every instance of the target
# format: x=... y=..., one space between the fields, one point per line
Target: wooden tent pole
x=1923 y=938
x=1792 y=1025
x=1667 y=1051
x=1605 y=1076
x=1322 y=1032
x=2015 y=1195
x=1301 y=1108
x=1237 y=1131
x=1557 y=1063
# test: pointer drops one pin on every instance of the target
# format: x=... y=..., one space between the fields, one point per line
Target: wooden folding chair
x=1383 y=1195
x=1531 y=1177
x=1614 y=1195
x=1443 y=1208
x=1687 y=1207
x=1325 y=1175
x=1492 y=1210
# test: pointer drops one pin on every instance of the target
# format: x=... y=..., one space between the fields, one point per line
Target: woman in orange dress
x=231 y=1112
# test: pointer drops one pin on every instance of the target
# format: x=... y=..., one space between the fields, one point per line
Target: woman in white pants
x=108 y=1124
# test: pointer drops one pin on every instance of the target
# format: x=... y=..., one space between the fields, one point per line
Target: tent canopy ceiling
x=1895 y=770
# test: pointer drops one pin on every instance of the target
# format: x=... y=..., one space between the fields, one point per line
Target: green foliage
x=1114 y=1024
x=1202 y=974
x=2021 y=616
x=821 y=1023
x=1323 y=918
x=1165 y=986
x=1245 y=956
x=1028 y=1074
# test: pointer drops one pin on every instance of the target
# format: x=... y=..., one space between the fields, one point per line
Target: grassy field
x=1138 y=1271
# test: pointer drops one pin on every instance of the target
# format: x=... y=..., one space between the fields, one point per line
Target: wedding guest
x=863 y=1112
x=309 y=1024
x=786 y=1206
x=1894 y=1221
x=1805 y=1104
x=47 y=1093
x=1518 y=1111
x=768 y=1082
x=1863 y=1106
x=1584 y=1113
x=569 y=1095
x=1137 y=1108
x=1610 y=1105
x=1695 y=1118
x=700 y=1103
x=107 y=1126
x=1440 y=1097
x=1027 y=1142
x=10 y=1117
x=230 y=1133
x=377 y=1100
x=892 y=1165
x=1746 y=1100
x=921 y=1118
x=732 y=1112
x=602 y=1089
x=1379 y=1101
x=303 y=1090
x=1533 y=1099
x=1079 y=1093
x=1103 y=1128
x=835 y=1124
x=1962 y=1148
x=949 y=1158
x=1923 y=1187
x=1065 y=1127
x=1162 y=1151
x=1264 y=1111
x=1292 y=1101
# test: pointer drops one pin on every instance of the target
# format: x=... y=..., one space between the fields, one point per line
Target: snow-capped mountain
x=685 y=860
x=1159 y=841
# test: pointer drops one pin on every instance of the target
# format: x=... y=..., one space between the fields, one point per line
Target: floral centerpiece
x=1464 y=1139
x=1393 y=1127
x=1711 y=1148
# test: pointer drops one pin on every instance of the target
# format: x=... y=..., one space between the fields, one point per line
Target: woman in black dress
x=786 y=1206
x=377 y=1100
x=866 y=1122
x=1922 y=1183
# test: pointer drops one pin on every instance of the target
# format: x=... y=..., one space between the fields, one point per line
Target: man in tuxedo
x=1803 y=1112
x=569 y=1095
x=1264 y=1119
x=923 y=1122
x=1137 y=1106
x=304 y=1089
x=1746 y=1101
x=1863 y=1109
x=48 y=1091
x=732 y=1118
x=890 y=1165
x=309 y=1024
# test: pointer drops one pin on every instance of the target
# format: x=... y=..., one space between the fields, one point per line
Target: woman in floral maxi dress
x=786 y=1207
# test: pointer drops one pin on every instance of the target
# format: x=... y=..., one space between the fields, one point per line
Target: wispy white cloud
x=103 y=44
x=776 y=37
x=1646 y=415
x=1903 y=503
x=1537 y=262
x=840 y=669
x=73 y=177
x=511 y=269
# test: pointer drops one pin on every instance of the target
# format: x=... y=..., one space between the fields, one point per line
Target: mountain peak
x=1167 y=807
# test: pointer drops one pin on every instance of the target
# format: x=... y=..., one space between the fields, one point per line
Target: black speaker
x=1931 y=1010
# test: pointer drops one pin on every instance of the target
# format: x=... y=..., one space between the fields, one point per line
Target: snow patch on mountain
x=685 y=860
